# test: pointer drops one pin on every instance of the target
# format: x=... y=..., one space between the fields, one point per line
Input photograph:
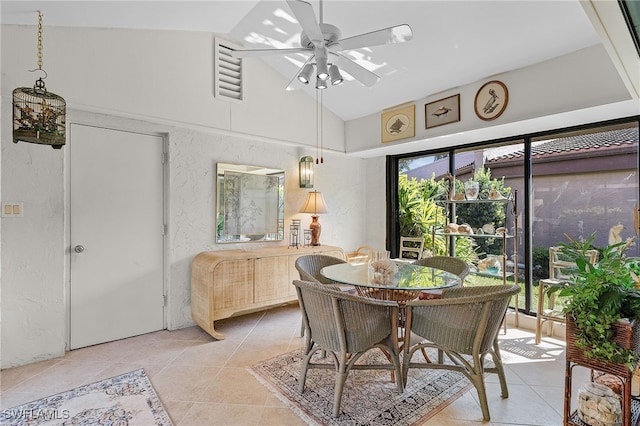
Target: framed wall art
x=491 y=100
x=442 y=111
x=398 y=123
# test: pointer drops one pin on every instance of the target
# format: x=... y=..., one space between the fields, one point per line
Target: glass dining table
x=404 y=285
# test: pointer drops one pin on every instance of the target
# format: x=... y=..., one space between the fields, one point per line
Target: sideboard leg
x=215 y=334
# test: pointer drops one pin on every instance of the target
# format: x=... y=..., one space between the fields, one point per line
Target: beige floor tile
x=524 y=406
x=274 y=401
x=183 y=383
x=111 y=351
x=156 y=351
x=62 y=376
x=439 y=421
x=177 y=410
x=203 y=381
x=188 y=333
x=212 y=414
x=235 y=386
x=274 y=416
x=209 y=354
x=251 y=354
x=11 y=377
x=18 y=398
x=118 y=368
x=553 y=395
x=465 y=408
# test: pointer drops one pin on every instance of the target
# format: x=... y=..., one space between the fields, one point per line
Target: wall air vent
x=227 y=71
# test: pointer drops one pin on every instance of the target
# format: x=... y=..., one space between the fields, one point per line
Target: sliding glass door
x=565 y=184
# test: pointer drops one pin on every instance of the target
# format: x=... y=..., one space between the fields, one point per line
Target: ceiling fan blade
x=307 y=19
x=358 y=72
x=397 y=34
x=250 y=53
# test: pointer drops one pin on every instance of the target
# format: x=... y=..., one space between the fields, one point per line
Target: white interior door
x=117 y=226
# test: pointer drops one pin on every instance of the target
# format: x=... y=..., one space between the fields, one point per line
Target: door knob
x=78 y=249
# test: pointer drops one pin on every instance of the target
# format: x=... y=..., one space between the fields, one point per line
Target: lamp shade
x=314 y=203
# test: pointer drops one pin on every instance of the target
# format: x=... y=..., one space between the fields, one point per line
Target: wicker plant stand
x=626 y=335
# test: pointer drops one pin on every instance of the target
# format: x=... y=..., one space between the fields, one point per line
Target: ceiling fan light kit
x=334 y=74
x=323 y=41
x=323 y=68
x=320 y=83
x=305 y=74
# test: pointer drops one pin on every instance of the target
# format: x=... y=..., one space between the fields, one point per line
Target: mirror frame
x=223 y=194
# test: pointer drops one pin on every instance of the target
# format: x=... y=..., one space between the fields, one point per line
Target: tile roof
x=592 y=142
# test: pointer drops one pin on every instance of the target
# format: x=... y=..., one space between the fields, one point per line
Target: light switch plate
x=12 y=209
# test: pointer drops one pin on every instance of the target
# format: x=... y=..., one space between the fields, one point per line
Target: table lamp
x=314 y=204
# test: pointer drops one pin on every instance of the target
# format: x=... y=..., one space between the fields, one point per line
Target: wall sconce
x=306 y=172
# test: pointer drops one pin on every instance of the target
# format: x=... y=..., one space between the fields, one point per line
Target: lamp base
x=315 y=230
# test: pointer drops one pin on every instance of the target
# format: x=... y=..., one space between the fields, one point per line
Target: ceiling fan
x=325 y=47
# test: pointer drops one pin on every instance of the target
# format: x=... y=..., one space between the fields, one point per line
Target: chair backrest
x=560 y=269
x=309 y=267
x=360 y=255
x=341 y=322
x=446 y=263
x=412 y=247
x=465 y=319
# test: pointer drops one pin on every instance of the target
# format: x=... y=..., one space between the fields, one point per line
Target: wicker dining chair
x=451 y=264
x=463 y=325
x=411 y=248
x=309 y=267
x=346 y=327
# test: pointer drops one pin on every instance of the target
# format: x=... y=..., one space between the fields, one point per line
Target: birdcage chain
x=39 y=40
x=39 y=47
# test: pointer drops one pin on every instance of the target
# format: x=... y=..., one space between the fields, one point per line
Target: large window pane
x=497 y=173
x=583 y=183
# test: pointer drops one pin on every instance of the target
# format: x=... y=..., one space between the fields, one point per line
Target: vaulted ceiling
x=454 y=42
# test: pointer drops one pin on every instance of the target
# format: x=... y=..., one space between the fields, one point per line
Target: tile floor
x=202 y=381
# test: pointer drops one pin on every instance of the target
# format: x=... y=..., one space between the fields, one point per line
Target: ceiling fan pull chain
x=321 y=127
x=317 y=126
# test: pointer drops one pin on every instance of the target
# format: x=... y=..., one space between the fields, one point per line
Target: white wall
x=161 y=82
x=573 y=82
x=156 y=82
x=192 y=228
x=33 y=300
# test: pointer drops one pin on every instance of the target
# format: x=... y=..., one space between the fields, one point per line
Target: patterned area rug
x=128 y=399
x=369 y=398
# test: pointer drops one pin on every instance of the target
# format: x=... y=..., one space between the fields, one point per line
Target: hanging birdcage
x=39 y=115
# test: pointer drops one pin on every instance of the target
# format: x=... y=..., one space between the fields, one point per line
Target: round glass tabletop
x=408 y=277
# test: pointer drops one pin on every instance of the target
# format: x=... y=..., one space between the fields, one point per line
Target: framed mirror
x=250 y=203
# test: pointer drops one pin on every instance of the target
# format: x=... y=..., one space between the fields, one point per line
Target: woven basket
x=399 y=295
x=627 y=335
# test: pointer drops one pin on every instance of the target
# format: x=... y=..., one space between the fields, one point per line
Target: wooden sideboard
x=226 y=283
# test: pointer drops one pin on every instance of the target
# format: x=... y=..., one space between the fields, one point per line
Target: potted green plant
x=602 y=296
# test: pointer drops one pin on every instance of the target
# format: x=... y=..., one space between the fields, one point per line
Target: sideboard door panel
x=234 y=284
x=271 y=278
